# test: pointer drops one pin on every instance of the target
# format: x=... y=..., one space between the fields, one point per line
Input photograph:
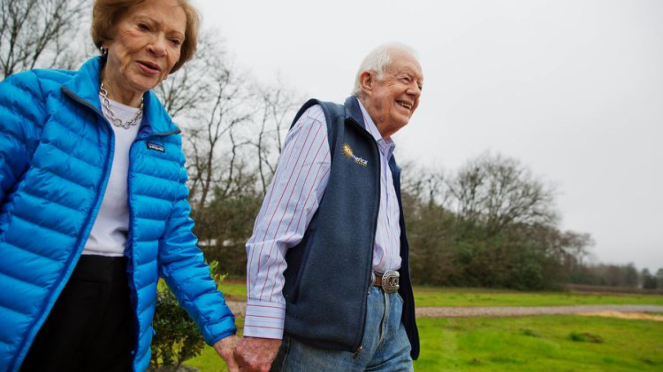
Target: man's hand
x=225 y=347
x=255 y=354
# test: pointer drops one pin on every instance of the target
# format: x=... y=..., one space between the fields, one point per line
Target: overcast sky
x=573 y=89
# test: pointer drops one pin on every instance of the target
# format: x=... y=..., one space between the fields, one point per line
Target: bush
x=176 y=337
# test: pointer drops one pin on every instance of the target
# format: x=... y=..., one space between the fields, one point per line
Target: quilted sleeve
x=22 y=114
x=188 y=276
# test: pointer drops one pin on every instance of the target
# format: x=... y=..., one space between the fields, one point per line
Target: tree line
x=491 y=223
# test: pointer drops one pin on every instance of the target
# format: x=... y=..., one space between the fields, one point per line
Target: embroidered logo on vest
x=155 y=147
x=347 y=151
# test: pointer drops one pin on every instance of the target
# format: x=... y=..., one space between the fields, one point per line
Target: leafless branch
x=38 y=33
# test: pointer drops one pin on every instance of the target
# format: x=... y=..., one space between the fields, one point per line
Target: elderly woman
x=94 y=203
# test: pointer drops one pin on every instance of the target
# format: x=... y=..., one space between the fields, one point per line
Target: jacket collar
x=85 y=86
x=353 y=111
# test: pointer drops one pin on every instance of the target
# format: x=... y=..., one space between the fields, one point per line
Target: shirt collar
x=386 y=145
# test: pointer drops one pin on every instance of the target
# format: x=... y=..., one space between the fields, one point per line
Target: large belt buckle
x=390 y=281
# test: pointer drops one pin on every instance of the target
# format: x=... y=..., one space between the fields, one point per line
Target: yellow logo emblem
x=347 y=151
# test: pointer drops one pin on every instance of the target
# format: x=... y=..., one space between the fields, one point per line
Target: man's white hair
x=377 y=61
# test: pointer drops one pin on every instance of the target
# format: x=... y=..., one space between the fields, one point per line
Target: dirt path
x=239 y=308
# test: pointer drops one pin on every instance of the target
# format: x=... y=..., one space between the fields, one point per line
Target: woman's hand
x=255 y=354
x=225 y=347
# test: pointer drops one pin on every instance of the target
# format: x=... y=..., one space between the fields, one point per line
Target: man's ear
x=366 y=80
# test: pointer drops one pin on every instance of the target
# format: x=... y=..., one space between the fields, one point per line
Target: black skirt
x=91 y=326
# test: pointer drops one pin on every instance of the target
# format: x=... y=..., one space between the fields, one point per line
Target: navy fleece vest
x=329 y=271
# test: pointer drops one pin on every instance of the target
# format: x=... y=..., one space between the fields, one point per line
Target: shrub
x=176 y=337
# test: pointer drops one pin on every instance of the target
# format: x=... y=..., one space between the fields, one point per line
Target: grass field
x=548 y=343
x=429 y=296
x=209 y=360
x=472 y=297
x=527 y=344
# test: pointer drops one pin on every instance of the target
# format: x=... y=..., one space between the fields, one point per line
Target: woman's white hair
x=377 y=61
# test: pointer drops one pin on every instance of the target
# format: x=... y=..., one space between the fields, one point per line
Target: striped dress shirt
x=291 y=201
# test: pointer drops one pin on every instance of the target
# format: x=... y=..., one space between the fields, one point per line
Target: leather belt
x=387 y=281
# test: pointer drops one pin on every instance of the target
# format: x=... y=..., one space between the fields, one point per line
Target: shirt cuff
x=264 y=319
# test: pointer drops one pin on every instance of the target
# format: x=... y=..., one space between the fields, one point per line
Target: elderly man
x=329 y=247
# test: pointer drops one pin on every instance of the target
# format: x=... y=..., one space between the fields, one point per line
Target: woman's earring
x=104 y=51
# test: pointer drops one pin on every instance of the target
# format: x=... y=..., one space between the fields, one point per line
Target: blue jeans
x=385 y=346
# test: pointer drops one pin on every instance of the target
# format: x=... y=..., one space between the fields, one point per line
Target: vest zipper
x=357 y=352
x=358 y=346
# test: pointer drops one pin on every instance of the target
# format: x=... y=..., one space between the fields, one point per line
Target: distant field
x=529 y=344
x=525 y=344
x=534 y=344
x=477 y=297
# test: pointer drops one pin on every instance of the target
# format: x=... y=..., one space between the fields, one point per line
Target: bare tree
x=232 y=132
x=188 y=91
x=499 y=191
x=226 y=119
x=576 y=246
x=38 y=33
x=465 y=189
x=277 y=108
x=207 y=132
x=209 y=97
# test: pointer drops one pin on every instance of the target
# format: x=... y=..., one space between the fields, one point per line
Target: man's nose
x=414 y=89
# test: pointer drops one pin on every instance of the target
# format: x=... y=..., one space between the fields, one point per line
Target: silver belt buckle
x=390 y=281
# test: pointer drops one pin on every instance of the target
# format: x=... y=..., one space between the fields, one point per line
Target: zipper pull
x=356 y=354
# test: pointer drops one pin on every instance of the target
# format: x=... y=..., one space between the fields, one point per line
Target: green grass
x=432 y=296
x=233 y=290
x=550 y=344
x=476 y=297
x=529 y=344
x=209 y=360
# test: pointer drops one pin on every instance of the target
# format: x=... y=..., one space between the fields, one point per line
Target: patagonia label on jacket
x=156 y=147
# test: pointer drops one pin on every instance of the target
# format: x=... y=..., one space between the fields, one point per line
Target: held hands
x=255 y=354
x=225 y=348
x=249 y=354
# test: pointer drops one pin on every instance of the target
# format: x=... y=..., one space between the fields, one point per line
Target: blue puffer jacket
x=56 y=151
